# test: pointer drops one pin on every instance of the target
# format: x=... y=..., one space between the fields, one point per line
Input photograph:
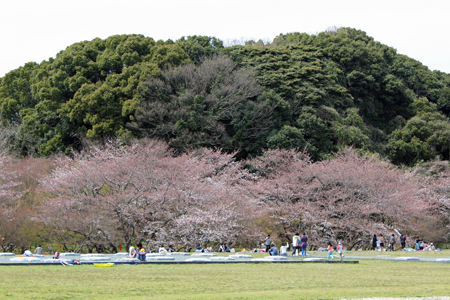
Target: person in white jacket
x=283 y=249
x=162 y=249
x=339 y=249
x=132 y=252
x=296 y=244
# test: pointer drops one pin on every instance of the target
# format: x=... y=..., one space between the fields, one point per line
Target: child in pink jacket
x=330 y=251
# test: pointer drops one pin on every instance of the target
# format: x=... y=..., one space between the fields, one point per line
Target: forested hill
x=323 y=91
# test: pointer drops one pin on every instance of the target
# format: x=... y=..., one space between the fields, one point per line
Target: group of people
x=330 y=249
x=163 y=249
x=420 y=245
x=140 y=252
x=38 y=250
x=378 y=243
x=224 y=248
x=269 y=247
x=199 y=248
x=299 y=242
x=283 y=249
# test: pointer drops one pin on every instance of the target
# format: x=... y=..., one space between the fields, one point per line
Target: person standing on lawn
x=330 y=251
x=403 y=241
x=268 y=243
x=392 y=242
x=381 y=242
x=304 y=243
x=374 y=242
x=296 y=244
x=339 y=249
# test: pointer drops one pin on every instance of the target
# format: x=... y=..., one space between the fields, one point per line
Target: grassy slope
x=227 y=281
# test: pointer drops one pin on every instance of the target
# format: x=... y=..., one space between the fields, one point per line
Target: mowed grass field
x=368 y=278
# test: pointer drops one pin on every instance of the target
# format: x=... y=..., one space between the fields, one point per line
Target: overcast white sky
x=36 y=30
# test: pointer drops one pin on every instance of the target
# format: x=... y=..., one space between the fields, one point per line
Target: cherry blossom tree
x=435 y=190
x=116 y=194
x=7 y=180
x=349 y=197
x=9 y=234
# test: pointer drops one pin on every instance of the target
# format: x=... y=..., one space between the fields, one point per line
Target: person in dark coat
x=304 y=243
x=403 y=241
x=374 y=242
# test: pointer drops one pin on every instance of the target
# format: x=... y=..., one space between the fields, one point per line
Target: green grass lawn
x=386 y=254
x=227 y=281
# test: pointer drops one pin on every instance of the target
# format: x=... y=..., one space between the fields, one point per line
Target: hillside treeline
x=325 y=92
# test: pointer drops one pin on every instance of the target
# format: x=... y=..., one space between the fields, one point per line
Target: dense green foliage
x=324 y=91
x=423 y=137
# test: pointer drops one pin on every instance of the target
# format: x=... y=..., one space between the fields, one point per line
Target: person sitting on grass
x=283 y=249
x=431 y=247
x=263 y=248
x=132 y=252
x=28 y=253
x=421 y=243
x=273 y=250
x=141 y=252
x=417 y=244
x=199 y=248
x=38 y=250
x=162 y=249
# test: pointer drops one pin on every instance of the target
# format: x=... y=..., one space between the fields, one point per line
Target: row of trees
x=325 y=91
x=117 y=195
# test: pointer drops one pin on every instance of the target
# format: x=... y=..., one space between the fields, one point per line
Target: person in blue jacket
x=273 y=250
x=199 y=248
